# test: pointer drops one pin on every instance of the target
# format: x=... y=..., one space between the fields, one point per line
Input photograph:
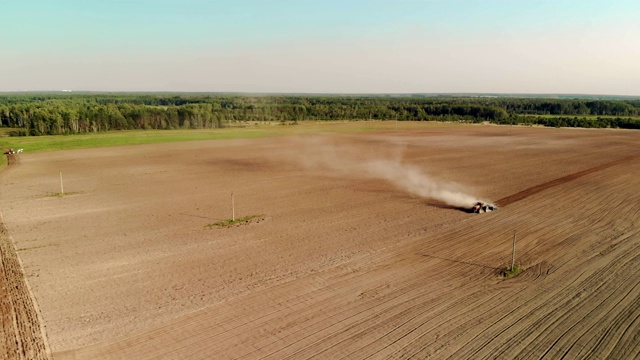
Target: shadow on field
x=201 y=217
x=462 y=262
x=441 y=205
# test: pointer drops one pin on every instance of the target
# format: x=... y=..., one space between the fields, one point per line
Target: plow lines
x=439 y=295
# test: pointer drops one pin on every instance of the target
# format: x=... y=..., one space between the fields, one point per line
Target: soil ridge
x=21 y=328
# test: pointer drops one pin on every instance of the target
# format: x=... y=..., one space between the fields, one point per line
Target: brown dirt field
x=20 y=326
x=342 y=266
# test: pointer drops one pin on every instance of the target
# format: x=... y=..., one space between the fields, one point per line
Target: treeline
x=50 y=114
x=578 y=122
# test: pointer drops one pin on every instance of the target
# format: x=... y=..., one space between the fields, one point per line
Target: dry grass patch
x=239 y=221
x=512 y=272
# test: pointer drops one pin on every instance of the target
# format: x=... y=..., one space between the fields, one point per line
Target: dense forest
x=52 y=114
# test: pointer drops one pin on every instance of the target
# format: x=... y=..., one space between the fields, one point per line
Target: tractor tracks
x=559 y=181
x=21 y=333
x=577 y=298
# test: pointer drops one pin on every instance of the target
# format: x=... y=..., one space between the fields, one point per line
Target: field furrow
x=348 y=261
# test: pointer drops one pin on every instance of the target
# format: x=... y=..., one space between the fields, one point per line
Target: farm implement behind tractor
x=481 y=207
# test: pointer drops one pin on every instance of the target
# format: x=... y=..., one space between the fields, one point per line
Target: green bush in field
x=511 y=272
x=238 y=221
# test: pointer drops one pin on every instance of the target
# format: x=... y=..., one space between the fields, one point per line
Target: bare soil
x=21 y=332
x=343 y=265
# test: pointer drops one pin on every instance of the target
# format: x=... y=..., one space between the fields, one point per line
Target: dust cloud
x=382 y=161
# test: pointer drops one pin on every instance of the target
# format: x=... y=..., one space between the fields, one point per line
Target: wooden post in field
x=513 y=251
x=61 y=185
x=233 y=209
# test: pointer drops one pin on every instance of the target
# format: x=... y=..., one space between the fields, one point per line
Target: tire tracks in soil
x=20 y=324
x=442 y=302
x=559 y=181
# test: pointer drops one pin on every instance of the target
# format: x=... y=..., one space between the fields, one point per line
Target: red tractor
x=481 y=207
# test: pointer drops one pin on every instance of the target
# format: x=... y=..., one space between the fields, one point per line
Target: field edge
x=21 y=323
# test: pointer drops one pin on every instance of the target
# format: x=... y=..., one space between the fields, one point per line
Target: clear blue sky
x=375 y=46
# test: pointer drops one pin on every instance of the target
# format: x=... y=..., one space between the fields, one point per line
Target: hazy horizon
x=322 y=47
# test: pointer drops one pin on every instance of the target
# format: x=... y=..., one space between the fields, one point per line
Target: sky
x=328 y=46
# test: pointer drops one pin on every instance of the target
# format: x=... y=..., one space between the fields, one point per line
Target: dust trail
x=381 y=161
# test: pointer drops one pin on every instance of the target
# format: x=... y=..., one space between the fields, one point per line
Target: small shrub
x=511 y=272
x=238 y=221
x=20 y=132
x=68 y=193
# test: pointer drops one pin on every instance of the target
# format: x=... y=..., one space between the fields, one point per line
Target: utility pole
x=233 y=209
x=513 y=251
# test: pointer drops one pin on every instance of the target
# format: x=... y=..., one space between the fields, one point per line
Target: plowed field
x=340 y=263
